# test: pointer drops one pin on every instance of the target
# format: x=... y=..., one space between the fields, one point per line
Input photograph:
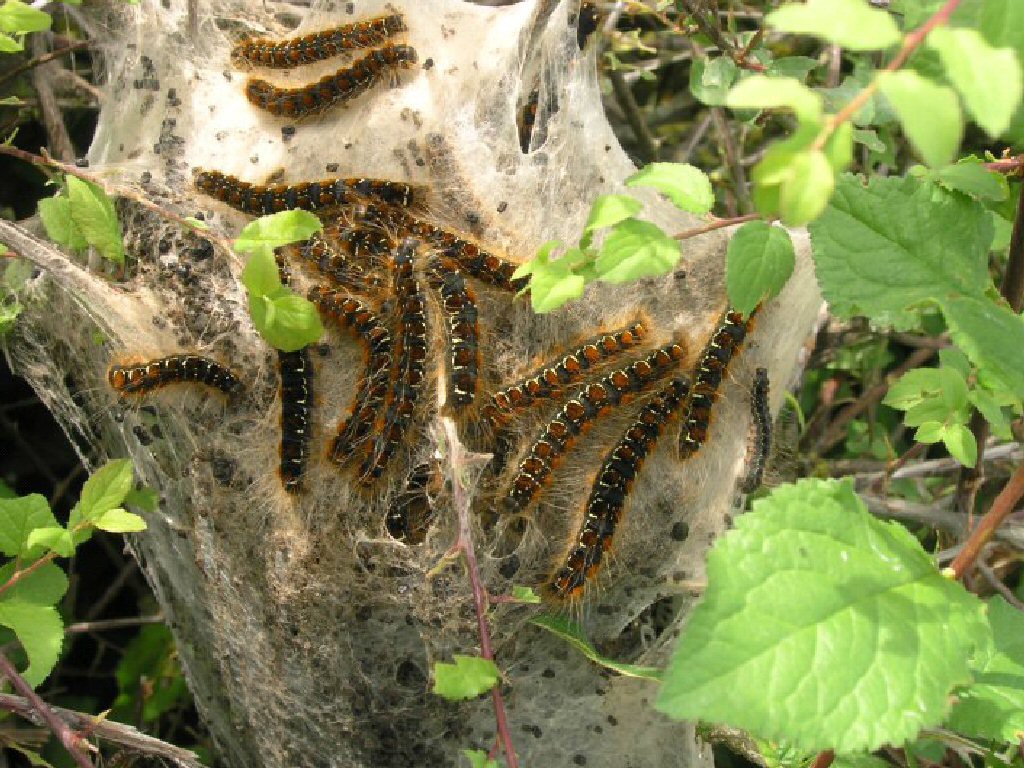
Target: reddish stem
x=717 y=224
x=824 y=759
x=60 y=729
x=19 y=575
x=1001 y=508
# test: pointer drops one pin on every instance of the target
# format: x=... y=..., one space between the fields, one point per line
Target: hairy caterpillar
x=459 y=304
x=318 y=46
x=296 y=371
x=761 y=418
x=173 y=369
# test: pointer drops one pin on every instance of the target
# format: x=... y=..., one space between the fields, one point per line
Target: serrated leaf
x=970 y=63
x=55 y=213
x=689 y=188
x=960 y=443
x=573 y=634
x=46 y=585
x=929 y=113
x=277 y=229
x=550 y=291
x=759 y=261
x=608 y=210
x=913 y=387
x=881 y=247
x=525 y=595
x=105 y=489
x=805 y=194
x=120 y=521
x=18 y=518
x=972 y=178
x=40 y=631
x=711 y=79
x=94 y=216
x=985 y=331
x=57 y=538
x=993 y=706
x=869 y=139
x=850 y=24
x=635 y=249
x=993 y=413
x=467 y=678
x=10 y=44
x=16 y=16
x=841 y=620
x=764 y=92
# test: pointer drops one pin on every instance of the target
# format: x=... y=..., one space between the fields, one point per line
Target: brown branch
x=714 y=32
x=53 y=118
x=108 y=730
x=824 y=759
x=42 y=59
x=1001 y=508
x=60 y=729
x=464 y=545
x=19 y=575
x=686 y=234
x=646 y=141
x=997 y=584
x=1010 y=166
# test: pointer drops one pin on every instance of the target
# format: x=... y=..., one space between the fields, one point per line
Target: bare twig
x=60 y=729
x=686 y=234
x=1001 y=508
x=41 y=59
x=997 y=584
x=464 y=545
x=732 y=159
x=647 y=143
x=714 y=31
x=108 y=624
x=53 y=119
x=116 y=733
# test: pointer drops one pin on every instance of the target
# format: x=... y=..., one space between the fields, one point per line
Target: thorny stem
x=72 y=170
x=60 y=729
x=464 y=545
x=1001 y=508
x=718 y=224
x=910 y=44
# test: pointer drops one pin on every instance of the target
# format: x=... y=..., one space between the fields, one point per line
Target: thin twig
x=58 y=138
x=997 y=584
x=108 y=624
x=714 y=31
x=42 y=59
x=1011 y=166
x=646 y=141
x=686 y=234
x=732 y=160
x=60 y=729
x=464 y=545
x=108 y=730
x=1001 y=508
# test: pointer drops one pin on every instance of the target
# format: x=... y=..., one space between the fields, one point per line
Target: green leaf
x=277 y=229
x=841 y=620
x=120 y=521
x=985 y=331
x=105 y=489
x=9 y=44
x=57 y=538
x=40 y=631
x=992 y=411
x=525 y=595
x=993 y=706
x=805 y=194
x=970 y=64
x=881 y=247
x=287 y=321
x=573 y=634
x=149 y=679
x=764 y=92
x=56 y=215
x=94 y=216
x=34 y=758
x=760 y=260
x=930 y=432
x=686 y=186
x=608 y=210
x=547 y=295
x=970 y=176
x=16 y=16
x=478 y=759
x=929 y=113
x=18 y=518
x=869 y=139
x=860 y=760
x=711 y=79
x=467 y=678
x=913 y=387
x=851 y=86
x=17 y=273
x=46 y=585
x=195 y=223
x=635 y=249
x=850 y=24
x=797 y=67
x=144 y=498
x=960 y=443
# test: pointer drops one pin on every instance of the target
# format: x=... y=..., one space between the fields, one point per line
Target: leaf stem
x=1001 y=508
x=718 y=224
x=60 y=729
x=19 y=575
x=464 y=545
x=911 y=42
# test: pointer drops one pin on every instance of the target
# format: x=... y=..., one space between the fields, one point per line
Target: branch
x=116 y=733
x=1000 y=510
x=464 y=544
x=686 y=234
x=42 y=59
x=60 y=729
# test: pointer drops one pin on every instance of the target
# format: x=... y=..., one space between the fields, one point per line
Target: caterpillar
x=411 y=515
x=337 y=88
x=326 y=194
x=318 y=46
x=173 y=369
x=549 y=382
x=761 y=423
x=459 y=304
x=343 y=254
x=411 y=350
x=526 y=119
x=296 y=371
x=610 y=490
x=724 y=344
x=576 y=416
x=372 y=387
